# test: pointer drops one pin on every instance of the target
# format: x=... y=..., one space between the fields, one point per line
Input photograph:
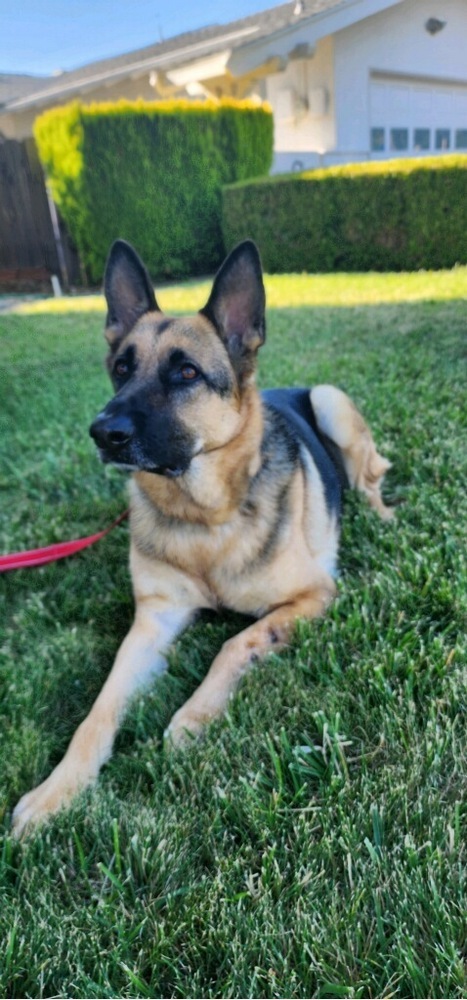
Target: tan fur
x=215 y=483
x=198 y=541
x=340 y=420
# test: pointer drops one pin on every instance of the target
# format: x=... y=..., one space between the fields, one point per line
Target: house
x=347 y=79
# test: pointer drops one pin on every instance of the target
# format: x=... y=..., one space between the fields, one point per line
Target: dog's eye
x=188 y=373
x=121 y=369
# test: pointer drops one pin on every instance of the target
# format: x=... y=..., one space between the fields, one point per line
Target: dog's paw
x=42 y=802
x=182 y=729
x=34 y=808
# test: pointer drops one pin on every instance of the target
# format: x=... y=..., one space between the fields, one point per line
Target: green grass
x=313 y=843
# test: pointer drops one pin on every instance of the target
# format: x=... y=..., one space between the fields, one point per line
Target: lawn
x=312 y=844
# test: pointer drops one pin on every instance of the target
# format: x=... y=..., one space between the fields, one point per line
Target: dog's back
x=296 y=412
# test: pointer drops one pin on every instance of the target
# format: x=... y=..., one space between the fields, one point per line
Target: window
x=378 y=143
x=421 y=138
x=461 y=138
x=442 y=138
x=399 y=138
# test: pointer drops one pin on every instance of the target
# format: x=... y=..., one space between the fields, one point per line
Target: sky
x=43 y=36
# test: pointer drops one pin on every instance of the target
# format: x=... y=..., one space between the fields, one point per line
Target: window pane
x=399 y=138
x=377 y=140
x=442 y=138
x=461 y=138
x=421 y=138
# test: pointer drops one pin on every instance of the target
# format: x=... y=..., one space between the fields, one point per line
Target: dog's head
x=180 y=382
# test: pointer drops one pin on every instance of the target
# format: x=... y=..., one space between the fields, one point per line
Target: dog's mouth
x=170 y=471
x=142 y=465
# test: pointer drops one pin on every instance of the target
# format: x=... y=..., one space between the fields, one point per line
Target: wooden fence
x=30 y=250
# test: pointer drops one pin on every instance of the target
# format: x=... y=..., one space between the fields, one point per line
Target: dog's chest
x=249 y=564
x=221 y=556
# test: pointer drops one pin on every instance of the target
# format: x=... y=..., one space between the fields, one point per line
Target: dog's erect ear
x=128 y=291
x=236 y=306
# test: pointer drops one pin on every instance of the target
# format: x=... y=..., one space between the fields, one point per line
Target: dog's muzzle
x=115 y=437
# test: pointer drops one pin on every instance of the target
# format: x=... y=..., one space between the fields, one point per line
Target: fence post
x=58 y=239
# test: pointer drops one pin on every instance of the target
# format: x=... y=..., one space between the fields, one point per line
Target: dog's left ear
x=128 y=291
x=236 y=306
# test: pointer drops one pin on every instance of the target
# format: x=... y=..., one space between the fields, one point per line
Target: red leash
x=50 y=553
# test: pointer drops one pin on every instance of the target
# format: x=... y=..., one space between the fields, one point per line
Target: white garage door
x=409 y=117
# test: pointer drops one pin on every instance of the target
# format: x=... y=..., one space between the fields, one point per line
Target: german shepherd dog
x=235 y=497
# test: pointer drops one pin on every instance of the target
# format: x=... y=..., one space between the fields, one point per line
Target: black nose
x=112 y=431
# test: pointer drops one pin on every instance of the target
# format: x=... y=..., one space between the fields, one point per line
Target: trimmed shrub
x=151 y=173
x=388 y=216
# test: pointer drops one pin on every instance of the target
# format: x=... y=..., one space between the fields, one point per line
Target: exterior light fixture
x=433 y=25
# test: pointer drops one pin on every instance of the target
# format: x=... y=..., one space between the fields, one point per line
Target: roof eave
x=174 y=58
x=317 y=25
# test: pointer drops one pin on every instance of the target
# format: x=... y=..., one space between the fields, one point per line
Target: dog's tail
x=338 y=418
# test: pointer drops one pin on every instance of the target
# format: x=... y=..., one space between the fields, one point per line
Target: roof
x=166 y=54
x=15 y=85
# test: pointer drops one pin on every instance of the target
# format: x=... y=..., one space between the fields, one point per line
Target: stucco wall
x=394 y=41
x=300 y=139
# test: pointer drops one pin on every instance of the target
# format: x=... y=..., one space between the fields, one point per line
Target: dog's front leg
x=239 y=654
x=139 y=658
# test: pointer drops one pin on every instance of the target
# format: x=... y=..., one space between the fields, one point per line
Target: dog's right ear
x=127 y=289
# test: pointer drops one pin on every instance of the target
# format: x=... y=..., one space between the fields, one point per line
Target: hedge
x=391 y=215
x=151 y=173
